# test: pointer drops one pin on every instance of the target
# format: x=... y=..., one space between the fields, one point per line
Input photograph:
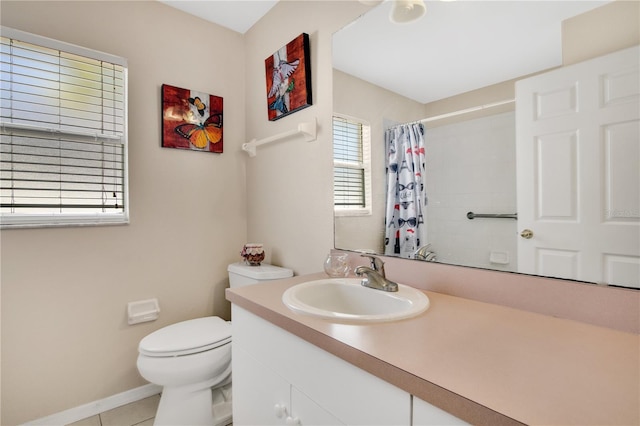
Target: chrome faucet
x=375 y=276
x=424 y=253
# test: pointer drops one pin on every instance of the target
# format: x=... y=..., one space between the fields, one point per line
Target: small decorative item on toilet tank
x=253 y=253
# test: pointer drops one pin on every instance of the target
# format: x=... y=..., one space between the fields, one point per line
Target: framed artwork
x=191 y=120
x=288 y=75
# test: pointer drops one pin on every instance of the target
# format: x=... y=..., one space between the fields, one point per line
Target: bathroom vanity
x=461 y=361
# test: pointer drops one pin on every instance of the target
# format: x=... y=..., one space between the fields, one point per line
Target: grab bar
x=472 y=215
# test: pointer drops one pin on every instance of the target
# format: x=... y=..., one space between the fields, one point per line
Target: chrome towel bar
x=472 y=215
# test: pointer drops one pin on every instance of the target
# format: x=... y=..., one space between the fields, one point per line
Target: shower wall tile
x=471 y=167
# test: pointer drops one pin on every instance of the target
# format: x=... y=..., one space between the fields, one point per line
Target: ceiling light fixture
x=406 y=11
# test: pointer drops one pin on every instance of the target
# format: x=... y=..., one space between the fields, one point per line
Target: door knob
x=527 y=234
x=280 y=411
x=292 y=421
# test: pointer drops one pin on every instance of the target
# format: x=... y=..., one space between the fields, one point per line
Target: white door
x=578 y=171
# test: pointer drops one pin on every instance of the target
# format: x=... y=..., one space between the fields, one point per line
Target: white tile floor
x=139 y=413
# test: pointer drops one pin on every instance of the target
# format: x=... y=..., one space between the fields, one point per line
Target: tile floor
x=139 y=413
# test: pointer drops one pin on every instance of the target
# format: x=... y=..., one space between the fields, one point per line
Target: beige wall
x=362 y=100
x=65 y=338
x=600 y=31
x=289 y=183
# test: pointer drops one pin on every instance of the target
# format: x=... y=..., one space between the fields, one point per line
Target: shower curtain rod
x=467 y=110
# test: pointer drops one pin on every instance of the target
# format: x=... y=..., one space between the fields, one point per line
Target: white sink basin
x=344 y=299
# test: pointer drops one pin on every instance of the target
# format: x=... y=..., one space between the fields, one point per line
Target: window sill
x=30 y=223
x=351 y=212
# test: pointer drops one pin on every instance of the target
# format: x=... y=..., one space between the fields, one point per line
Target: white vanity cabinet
x=279 y=379
x=425 y=414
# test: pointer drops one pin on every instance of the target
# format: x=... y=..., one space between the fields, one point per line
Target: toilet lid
x=187 y=337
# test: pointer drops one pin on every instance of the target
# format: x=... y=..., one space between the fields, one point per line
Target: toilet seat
x=186 y=338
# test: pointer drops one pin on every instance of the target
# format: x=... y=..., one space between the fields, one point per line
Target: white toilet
x=191 y=360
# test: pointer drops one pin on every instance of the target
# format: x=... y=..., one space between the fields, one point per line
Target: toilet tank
x=241 y=274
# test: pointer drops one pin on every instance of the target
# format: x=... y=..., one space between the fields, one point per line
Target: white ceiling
x=237 y=15
x=456 y=47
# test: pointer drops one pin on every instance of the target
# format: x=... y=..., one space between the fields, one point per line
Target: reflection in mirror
x=464 y=100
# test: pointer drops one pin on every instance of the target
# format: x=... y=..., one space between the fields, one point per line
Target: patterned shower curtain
x=405 y=188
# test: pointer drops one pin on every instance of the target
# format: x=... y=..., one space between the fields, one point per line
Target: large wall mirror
x=454 y=72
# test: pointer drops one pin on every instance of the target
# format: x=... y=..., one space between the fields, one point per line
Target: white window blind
x=63 y=157
x=351 y=165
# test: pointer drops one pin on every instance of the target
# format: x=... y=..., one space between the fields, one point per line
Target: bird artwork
x=281 y=84
x=288 y=78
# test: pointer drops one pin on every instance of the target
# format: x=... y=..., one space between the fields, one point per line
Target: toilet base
x=222 y=405
x=198 y=407
x=177 y=407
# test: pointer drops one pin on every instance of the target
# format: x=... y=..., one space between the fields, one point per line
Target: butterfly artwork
x=201 y=135
x=191 y=120
x=288 y=76
x=200 y=106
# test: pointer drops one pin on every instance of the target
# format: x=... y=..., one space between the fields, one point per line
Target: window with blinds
x=63 y=130
x=351 y=166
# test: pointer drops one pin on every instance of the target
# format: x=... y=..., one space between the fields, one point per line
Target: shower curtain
x=405 y=189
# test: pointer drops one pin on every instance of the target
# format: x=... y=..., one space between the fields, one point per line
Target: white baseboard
x=96 y=407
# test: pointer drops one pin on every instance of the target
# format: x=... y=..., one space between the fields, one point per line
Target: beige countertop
x=485 y=363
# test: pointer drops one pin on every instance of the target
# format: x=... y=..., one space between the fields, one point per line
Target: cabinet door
x=304 y=411
x=352 y=395
x=260 y=397
x=427 y=414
